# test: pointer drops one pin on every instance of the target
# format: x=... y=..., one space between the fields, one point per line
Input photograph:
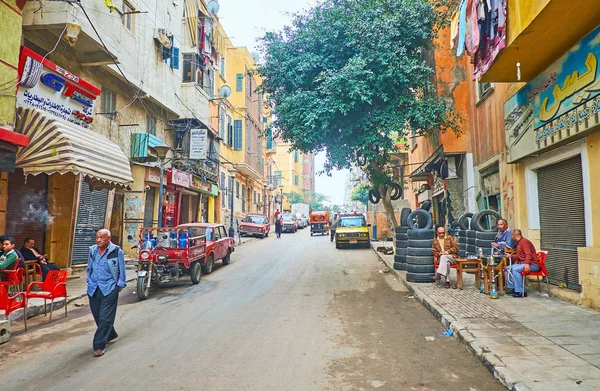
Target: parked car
x=219 y=245
x=352 y=229
x=302 y=222
x=290 y=223
x=255 y=225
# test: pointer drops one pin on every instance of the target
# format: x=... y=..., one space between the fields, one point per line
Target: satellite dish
x=255 y=56
x=213 y=6
x=225 y=91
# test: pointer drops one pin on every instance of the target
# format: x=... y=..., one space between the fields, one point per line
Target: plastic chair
x=10 y=304
x=14 y=277
x=541 y=273
x=53 y=287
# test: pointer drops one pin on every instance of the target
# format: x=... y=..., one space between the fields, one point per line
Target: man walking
x=334 y=226
x=105 y=278
x=445 y=250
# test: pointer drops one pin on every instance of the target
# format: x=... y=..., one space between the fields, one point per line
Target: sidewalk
x=533 y=343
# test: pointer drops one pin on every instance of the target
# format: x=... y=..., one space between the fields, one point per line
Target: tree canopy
x=360 y=194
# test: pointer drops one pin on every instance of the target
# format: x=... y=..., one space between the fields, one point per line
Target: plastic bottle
x=173 y=239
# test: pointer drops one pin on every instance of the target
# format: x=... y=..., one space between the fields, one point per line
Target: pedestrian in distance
x=105 y=279
x=334 y=225
x=278 y=226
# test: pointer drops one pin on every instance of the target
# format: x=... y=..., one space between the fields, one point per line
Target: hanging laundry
x=494 y=37
x=472 y=28
x=454 y=29
x=462 y=21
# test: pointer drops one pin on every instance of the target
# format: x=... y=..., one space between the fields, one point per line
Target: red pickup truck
x=218 y=244
x=255 y=225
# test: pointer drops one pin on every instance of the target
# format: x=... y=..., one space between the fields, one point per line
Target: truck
x=302 y=212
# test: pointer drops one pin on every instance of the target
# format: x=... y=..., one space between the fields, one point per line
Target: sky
x=247 y=20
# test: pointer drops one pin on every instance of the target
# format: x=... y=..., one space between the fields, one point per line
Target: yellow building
x=289 y=172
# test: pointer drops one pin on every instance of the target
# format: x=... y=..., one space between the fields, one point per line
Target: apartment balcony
x=141 y=144
x=539 y=32
x=49 y=22
x=271 y=147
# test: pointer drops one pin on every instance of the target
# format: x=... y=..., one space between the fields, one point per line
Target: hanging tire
x=401 y=229
x=401 y=243
x=401 y=237
x=374 y=196
x=420 y=234
x=479 y=219
x=471 y=234
x=143 y=291
x=420 y=268
x=399 y=265
x=401 y=251
x=489 y=236
x=419 y=278
x=396 y=191
x=400 y=258
x=404 y=216
x=465 y=220
x=420 y=243
x=420 y=219
x=424 y=260
x=196 y=272
x=419 y=252
x=426 y=205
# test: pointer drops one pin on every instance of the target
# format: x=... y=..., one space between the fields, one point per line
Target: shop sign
x=561 y=104
x=199 y=184
x=198 y=144
x=179 y=178
x=47 y=87
x=152 y=175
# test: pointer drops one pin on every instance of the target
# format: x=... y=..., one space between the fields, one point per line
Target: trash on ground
x=578 y=382
x=134 y=292
x=430 y=338
x=447 y=333
x=411 y=297
x=545 y=295
x=384 y=271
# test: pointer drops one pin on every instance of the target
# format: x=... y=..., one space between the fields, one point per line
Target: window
x=254 y=195
x=223 y=67
x=223 y=190
x=229 y=131
x=150 y=124
x=239 y=82
x=248 y=137
x=127 y=15
x=295 y=180
x=483 y=90
x=237 y=135
x=296 y=156
x=270 y=139
x=278 y=178
x=109 y=102
x=208 y=82
x=243 y=198
x=190 y=67
x=222 y=122
x=237 y=189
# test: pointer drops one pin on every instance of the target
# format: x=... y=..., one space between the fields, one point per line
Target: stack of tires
x=419 y=258
x=477 y=231
x=464 y=222
x=401 y=240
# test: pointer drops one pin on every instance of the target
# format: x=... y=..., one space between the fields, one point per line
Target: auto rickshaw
x=319 y=223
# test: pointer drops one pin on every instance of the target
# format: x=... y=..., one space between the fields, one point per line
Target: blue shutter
x=239 y=82
x=174 y=57
x=270 y=139
x=237 y=134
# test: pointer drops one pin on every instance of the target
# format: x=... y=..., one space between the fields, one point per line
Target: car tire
x=420 y=243
x=311 y=234
x=368 y=245
x=420 y=219
x=471 y=249
x=401 y=237
x=401 y=229
x=208 y=268
x=402 y=251
x=226 y=259
x=472 y=222
x=400 y=258
x=420 y=234
x=489 y=236
x=401 y=243
x=483 y=243
x=462 y=233
x=404 y=216
x=420 y=268
x=465 y=220
x=478 y=220
x=472 y=241
x=419 y=260
x=142 y=288
x=195 y=272
x=471 y=234
x=462 y=240
x=419 y=277
x=419 y=251
x=399 y=265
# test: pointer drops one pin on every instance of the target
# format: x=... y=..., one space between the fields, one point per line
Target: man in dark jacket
x=30 y=253
x=105 y=278
x=524 y=260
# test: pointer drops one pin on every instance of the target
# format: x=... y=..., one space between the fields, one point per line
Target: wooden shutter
x=237 y=134
x=562 y=219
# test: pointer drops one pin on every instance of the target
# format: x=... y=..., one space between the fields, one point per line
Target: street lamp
x=232 y=172
x=265 y=199
x=281 y=190
x=161 y=153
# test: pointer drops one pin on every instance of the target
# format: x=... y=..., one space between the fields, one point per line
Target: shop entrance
x=562 y=219
x=91 y=217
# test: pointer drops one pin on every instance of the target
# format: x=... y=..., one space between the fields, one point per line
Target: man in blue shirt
x=105 y=278
x=503 y=237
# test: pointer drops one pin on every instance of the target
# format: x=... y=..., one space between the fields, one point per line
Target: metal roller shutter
x=562 y=219
x=27 y=208
x=90 y=218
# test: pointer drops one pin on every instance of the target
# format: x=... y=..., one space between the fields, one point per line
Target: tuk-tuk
x=319 y=223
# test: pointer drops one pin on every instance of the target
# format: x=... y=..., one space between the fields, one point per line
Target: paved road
x=286 y=314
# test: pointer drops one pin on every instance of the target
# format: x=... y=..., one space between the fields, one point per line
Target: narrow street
x=291 y=314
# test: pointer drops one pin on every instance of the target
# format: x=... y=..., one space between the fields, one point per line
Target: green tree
x=361 y=193
x=295 y=198
x=347 y=73
x=316 y=201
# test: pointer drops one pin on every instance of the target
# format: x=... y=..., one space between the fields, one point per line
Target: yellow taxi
x=352 y=229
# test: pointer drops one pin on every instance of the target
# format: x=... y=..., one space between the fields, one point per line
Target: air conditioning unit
x=164 y=37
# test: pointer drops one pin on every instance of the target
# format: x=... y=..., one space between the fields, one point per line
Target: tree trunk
x=389 y=208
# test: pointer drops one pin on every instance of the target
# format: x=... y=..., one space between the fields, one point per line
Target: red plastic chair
x=541 y=273
x=53 y=287
x=14 y=277
x=10 y=304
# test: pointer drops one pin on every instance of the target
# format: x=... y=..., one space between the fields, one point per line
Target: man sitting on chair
x=503 y=237
x=525 y=259
x=32 y=254
x=445 y=250
x=9 y=257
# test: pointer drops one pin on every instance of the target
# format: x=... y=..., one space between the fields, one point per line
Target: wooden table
x=460 y=268
x=29 y=273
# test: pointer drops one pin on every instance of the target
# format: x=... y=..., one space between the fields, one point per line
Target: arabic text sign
x=559 y=104
x=179 y=178
x=46 y=86
x=198 y=144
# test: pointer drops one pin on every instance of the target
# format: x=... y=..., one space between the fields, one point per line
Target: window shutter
x=175 y=58
x=248 y=136
x=237 y=135
x=270 y=139
x=239 y=82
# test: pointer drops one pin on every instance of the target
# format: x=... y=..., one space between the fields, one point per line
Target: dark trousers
x=46 y=268
x=104 y=309
x=332 y=232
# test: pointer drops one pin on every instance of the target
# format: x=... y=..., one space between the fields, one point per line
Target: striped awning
x=61 y=147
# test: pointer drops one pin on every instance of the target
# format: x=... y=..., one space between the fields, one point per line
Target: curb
x=489 y=360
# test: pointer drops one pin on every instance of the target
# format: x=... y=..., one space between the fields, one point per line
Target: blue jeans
x=515 y=279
